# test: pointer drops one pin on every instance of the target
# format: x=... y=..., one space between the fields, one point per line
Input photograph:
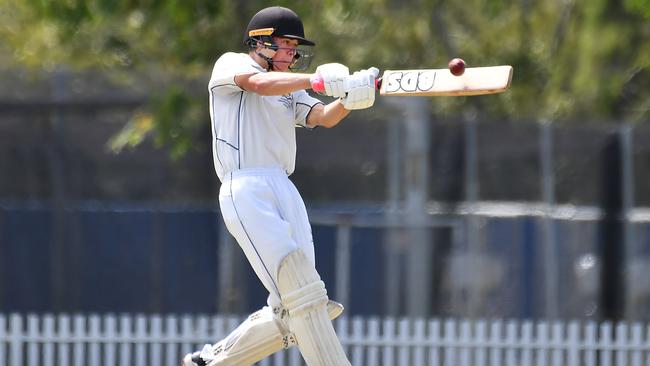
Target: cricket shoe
x=193 y=359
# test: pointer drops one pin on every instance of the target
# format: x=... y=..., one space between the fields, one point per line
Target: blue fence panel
x=190 y=261
x=325 y=252
x=256 y=293
x=530 y=268
x=25 y=263
x=505 y=247
x=367 y=272
x=116 y=261
x=167 y=261
x=578 y=257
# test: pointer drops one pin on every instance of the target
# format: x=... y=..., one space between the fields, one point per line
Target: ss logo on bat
x=410 y=81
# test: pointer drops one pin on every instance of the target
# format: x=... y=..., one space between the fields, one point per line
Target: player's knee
x=303 y=295
x=301 y=288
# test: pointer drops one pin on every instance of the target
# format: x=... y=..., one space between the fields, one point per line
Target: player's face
x=285 y=53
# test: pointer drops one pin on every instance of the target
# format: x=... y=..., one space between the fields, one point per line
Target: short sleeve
x=228 y=66
x=304 y=103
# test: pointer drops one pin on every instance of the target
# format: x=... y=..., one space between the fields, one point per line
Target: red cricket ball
x=457 y=66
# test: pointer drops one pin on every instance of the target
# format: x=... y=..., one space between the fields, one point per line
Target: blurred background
x=532 y=204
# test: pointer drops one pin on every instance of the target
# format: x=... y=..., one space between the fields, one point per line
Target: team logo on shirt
x=286 y=100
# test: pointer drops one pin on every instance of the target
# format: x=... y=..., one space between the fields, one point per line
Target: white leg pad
x=262 y=334
x=259 y=336
x=303 y=294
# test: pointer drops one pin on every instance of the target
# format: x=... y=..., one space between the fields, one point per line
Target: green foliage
x=574 y=60
x=641 y=7
x=175 y=119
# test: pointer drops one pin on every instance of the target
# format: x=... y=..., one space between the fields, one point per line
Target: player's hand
x=334 y=76
x=361 y=89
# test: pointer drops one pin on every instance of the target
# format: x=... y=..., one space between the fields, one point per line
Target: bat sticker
x=410 y=81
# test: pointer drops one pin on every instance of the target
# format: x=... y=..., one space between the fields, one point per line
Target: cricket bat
x=440 y=82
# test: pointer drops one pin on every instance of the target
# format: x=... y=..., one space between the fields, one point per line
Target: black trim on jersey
x=310 y=106
x=232 y=198
x=241 y=98
x=308 y=113
x=214 y=130
x=227 y=143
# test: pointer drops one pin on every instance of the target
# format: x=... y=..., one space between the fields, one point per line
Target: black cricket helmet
x=279 y=21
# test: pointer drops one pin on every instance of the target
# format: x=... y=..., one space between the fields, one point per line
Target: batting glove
x=361 y=89
x=334 y=76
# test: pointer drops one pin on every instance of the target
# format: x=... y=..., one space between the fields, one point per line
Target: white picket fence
x=108 y=340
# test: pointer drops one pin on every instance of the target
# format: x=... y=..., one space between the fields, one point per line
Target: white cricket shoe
x=198 y=358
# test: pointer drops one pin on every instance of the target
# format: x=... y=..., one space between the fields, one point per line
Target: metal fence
x=109 y=340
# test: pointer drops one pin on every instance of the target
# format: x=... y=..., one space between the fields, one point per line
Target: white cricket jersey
x=251 y=130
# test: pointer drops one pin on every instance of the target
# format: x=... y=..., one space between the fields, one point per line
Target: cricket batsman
x=255 y=105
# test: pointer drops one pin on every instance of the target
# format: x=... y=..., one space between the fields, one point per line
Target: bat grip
x=318 y=84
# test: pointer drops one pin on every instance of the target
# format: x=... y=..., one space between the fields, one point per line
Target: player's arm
x=273 y=83
x=327 y=115
x=332 y=75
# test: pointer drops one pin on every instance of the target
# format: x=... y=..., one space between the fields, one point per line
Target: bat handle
x=318 y=84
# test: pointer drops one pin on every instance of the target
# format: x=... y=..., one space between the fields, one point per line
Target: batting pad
x=260 y=336
x=303 y=294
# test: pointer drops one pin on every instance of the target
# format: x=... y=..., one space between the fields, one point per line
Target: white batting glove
x=334 y=76
x=361 y=89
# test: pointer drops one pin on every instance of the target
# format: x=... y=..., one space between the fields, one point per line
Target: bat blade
x=441 y=82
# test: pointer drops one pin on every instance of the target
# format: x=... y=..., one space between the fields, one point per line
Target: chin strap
x=269 y=61
x=268 y=45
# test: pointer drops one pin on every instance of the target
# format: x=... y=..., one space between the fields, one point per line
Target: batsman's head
x=277 y=35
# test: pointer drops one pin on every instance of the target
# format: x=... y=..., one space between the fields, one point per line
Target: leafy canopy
x=574 y=60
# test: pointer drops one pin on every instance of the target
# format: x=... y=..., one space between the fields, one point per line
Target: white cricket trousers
x=263 y=210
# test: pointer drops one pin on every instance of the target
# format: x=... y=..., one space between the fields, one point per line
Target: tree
x=574 y=59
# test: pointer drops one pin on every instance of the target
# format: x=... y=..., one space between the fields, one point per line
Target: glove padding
x=361 y=89
x=334 y=76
